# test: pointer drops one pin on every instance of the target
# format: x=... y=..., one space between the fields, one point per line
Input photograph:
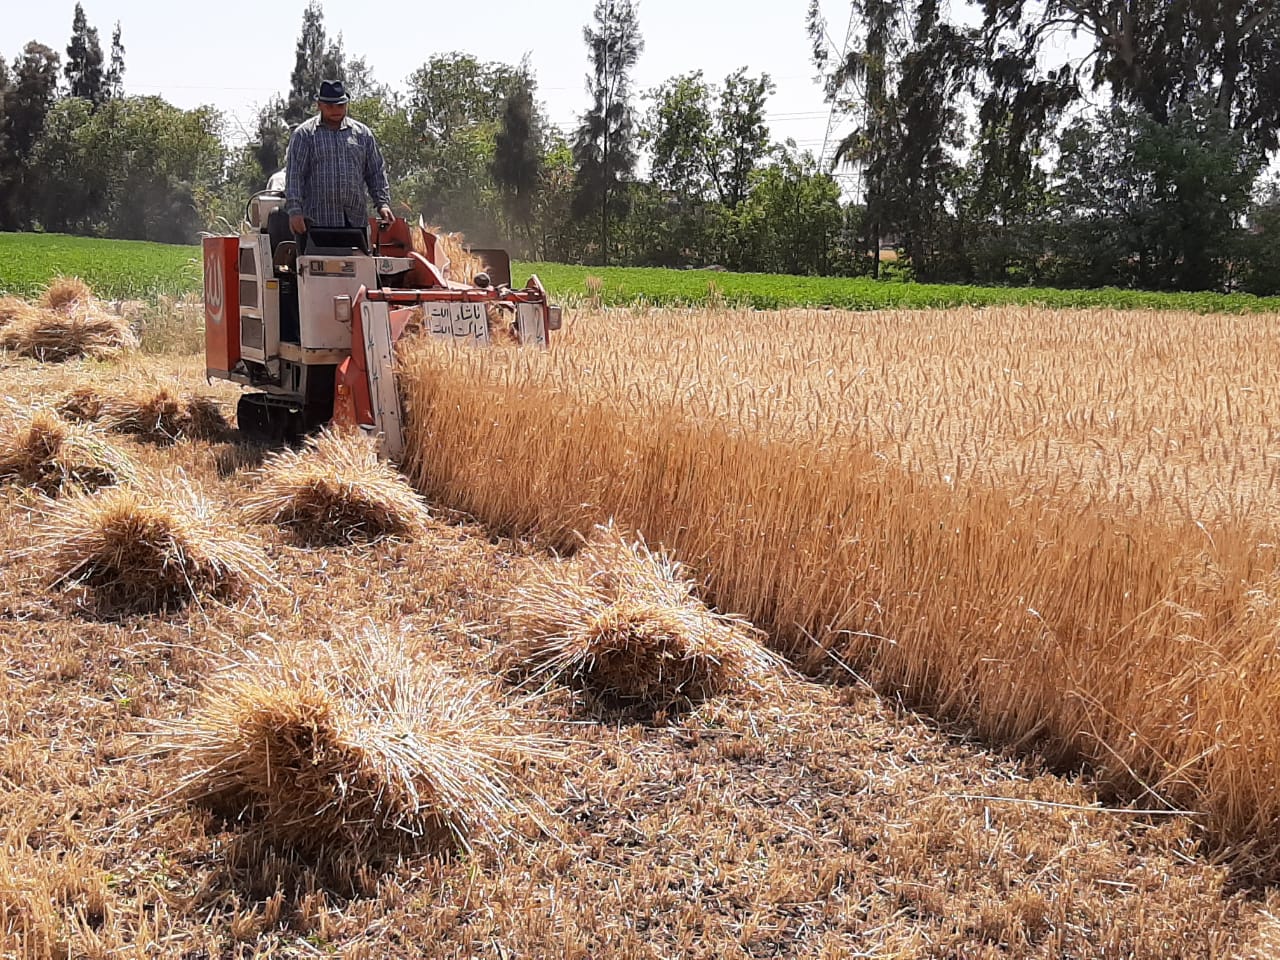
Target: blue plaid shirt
x=328 y=170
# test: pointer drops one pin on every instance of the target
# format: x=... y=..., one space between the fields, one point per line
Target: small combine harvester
x=313 y=328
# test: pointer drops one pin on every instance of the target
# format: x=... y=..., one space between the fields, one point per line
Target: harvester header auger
x=311 y=323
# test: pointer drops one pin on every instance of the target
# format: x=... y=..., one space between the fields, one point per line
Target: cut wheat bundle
x=78 y=329
x=147 y=547
x=41 y=451
x=336 y=490
x=64 y=294
x=350 y=743
x=159 y=413
x=14 y=308
x=621 y=622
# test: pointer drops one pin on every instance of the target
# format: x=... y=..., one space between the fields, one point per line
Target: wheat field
x=209 y=778
x=1058 y=526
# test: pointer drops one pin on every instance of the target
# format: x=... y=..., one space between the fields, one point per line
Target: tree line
x=975 y=157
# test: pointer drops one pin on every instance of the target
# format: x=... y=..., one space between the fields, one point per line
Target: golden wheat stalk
x=459 y=264
x=1001 y=512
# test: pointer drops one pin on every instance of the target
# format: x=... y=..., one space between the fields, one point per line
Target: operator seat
x=278 y=228
x=284 y=264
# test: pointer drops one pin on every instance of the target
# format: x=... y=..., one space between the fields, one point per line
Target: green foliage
x=860 y=82
x=790 y=218
x=1158 y=57
x=1259 y=249
x=558 y=236
x=1152 y=194
x=113 y=82
x=707 y=146
x=625 y=286
x=680 y=131
x=741 y=138
x=27 y=101
x=707 y=141
x=440 y=142
x=453 y=92
x=73 y=185
x=30 y=97
x=265 y=154
x=133 y=168
x=1150 y=204
x=315 y=59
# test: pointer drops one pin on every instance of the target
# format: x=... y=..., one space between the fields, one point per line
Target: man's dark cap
x=332 y=91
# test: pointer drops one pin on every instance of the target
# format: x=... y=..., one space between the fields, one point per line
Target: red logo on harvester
x=214 y=293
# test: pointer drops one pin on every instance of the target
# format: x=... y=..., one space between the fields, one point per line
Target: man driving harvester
x=331 y=161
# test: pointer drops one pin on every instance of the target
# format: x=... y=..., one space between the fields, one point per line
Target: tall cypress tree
x=84 y=72
x=604 y=147
x=517 y=158
x=115 y=73
x=315 y=59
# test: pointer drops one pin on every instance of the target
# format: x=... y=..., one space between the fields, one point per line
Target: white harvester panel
x=379 y=355
x=530 y=319
x=259 y=300
x=323 y=283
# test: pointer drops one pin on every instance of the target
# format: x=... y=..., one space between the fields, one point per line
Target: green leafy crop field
x=116 y=269
x=126 y=268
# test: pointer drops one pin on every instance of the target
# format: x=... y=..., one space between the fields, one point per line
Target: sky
x=235 y=54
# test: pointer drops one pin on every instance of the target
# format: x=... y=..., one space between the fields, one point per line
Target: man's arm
x=297 y=173
x=375 y=177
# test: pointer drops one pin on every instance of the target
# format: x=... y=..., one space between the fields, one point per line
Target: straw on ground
x=64 y=294
x=78 y=330
x=156 y=412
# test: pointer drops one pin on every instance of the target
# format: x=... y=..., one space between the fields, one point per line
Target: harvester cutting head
x=312 y=322
x=479 y=312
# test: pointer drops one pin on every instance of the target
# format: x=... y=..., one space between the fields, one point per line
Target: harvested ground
x=816 y=820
